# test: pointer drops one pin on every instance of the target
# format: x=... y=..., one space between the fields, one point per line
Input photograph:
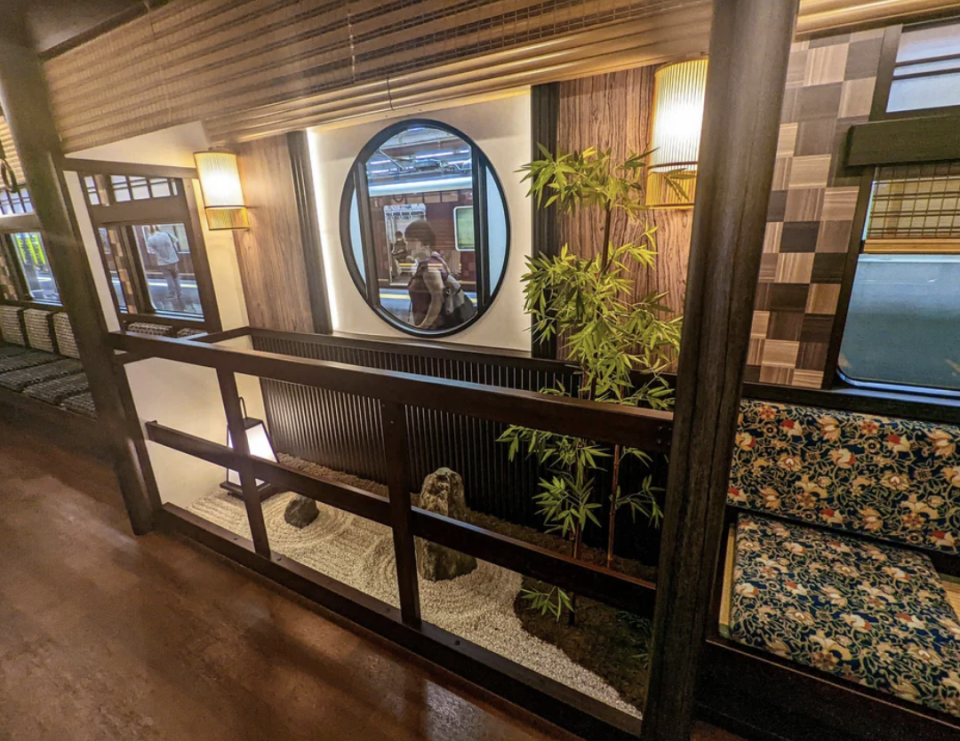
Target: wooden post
x=248 y=482
x=544 y=130
x=399 y=482
x=309 y=230
x=23 y=96
x=749 y=49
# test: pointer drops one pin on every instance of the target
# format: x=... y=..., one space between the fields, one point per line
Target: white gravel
x=359 y=553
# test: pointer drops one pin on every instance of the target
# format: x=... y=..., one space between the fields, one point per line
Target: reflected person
x=164 y=247
x=437 y=301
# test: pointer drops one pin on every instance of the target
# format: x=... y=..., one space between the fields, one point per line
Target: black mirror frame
x=481 y=164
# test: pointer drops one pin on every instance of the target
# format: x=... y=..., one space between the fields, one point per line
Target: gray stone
x=301 y=512
x=443 y=493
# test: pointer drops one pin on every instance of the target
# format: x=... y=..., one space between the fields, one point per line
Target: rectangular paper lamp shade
x=222 y=191
x=678 y=100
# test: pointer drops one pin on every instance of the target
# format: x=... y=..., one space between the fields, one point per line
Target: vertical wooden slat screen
x=260 y=67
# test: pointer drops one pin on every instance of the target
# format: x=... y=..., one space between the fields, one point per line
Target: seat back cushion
x=39 y=336
x=163 y=330
x=10 y=325
x=894 y=479
x=63 y=329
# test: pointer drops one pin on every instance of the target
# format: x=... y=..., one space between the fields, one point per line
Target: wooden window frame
x=19 y=224
x=885 y=74
x=178 y=208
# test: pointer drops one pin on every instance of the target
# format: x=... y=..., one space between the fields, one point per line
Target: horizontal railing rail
x=618 y=590
x=641 y=428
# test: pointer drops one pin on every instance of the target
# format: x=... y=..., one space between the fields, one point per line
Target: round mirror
x=424 y=228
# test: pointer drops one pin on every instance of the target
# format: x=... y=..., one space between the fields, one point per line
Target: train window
x=424 y=228
x=926 y=71
x=905 y=304
x=151 y=246
x=28 y=276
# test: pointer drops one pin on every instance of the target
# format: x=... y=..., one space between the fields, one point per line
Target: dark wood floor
x=107 y=636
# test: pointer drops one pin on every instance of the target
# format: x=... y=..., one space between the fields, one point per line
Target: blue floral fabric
x=873 y=614
x=894 y=479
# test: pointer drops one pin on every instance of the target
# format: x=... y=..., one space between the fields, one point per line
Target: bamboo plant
x=586 y=303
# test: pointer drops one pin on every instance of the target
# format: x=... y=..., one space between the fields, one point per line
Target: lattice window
x=919 y=203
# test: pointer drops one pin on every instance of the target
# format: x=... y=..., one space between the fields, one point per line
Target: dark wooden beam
x=309 y=230
x=544 y=128
x=926 y=139
x=23 y=97
x=104 y=167
x=396 y=449
x=248 y=481
x=749 y=48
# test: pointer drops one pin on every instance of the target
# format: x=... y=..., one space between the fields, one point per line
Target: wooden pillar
x=749 y=49
x=23 y=96
x=544 y=127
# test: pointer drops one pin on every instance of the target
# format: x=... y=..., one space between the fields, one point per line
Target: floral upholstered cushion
x=891 y=478
x=80 y=404
x=59 y=389
x=10 y=328
x=19 y=380
x=39 y=335
x=874 y=614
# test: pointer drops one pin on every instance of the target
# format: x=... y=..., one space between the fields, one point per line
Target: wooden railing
x=397 y=394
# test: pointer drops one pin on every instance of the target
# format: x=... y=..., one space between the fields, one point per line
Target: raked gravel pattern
x=359 y=553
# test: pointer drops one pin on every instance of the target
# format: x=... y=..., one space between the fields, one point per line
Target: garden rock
x=301 y=512
x=443 y=493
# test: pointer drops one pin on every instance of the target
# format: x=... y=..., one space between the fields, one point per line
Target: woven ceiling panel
x=9 y=151
x=255 y=67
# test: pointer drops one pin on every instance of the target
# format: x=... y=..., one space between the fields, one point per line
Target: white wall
x=183 y=397
x=501 y=128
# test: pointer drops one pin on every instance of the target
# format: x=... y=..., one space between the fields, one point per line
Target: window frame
x=179 y=208
x=356 y=183
x=887 y=67
x=18 y=224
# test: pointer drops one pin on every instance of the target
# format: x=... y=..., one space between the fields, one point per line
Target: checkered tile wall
x=830 y=85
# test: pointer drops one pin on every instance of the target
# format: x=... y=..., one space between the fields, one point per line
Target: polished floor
x=104 y=636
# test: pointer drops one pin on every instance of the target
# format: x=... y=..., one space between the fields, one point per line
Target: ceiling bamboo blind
x=251 y=68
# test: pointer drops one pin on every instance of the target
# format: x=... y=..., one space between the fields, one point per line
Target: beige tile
x=811 y=171
x=825 y=64
x=755 y=351
x=808 y=379
x=787 y=141
x=768 y=268
x=839 y=204
x=781 y=173
x=780 y=353
x=796 y=68
x=780 y=376
x=822 y=298
x=758 y=330
x=804 y=204
x=771 y=237
x=799 y=46
x=795 y=267
x=857 y=97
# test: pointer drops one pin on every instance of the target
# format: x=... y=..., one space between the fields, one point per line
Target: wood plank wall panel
x=258 y=67
x=270 y=252
x=613 y=111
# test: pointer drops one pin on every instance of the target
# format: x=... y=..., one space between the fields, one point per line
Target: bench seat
x=58 y=390
x=28 y=359
x=871 y=613
x=20 y=380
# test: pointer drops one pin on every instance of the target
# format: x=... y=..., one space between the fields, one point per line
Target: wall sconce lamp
x=678 y=95
x=222 y=192
x=260 y=445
